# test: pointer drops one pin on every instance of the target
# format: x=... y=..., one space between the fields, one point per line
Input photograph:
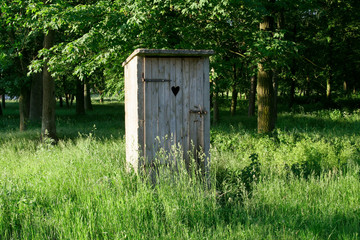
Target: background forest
x=298 y=59
x=302 y=48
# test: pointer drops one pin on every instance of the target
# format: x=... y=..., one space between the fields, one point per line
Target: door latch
x=199 y=110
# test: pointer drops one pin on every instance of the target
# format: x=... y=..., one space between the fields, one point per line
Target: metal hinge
x=154 y=80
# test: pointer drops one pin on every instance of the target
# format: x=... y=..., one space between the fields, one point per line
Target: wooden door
x=196 y=109
x=176 y=108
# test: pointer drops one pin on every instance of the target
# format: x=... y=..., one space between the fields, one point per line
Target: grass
x=302 y=182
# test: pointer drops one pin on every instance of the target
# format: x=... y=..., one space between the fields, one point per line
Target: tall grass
x=302 y=182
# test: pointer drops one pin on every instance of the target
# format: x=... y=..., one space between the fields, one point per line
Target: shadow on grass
x=294 y=221
x=289 y=122
x=105 y=121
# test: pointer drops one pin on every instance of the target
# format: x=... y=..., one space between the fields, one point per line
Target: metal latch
x=199 y=111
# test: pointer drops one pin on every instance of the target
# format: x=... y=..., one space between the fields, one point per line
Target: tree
x=265 y=90
x=3 y=100
x=80 y=100
x=48 y=127
x=15 y=55
x=87 y=97
x=18 y=47
x=95 y=37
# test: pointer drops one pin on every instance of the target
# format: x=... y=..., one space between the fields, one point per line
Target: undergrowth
x=301 y=182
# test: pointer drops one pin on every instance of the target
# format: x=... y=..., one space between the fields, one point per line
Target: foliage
x=313 y=42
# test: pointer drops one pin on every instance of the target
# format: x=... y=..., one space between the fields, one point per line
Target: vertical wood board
x=206 y=120
x=186 y=107
x=131 y=117
x=148 y=113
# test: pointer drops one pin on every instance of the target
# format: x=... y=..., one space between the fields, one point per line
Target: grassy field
x=302 y=182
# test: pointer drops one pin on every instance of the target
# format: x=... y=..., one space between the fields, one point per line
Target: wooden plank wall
x=148 y=114
x=163 y=119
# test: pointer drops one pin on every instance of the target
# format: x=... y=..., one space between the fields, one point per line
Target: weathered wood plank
x=167 y=98
x=186 y=108
x=163 y=102
x=178 y=100
x=154 y=107
x=131 y=115
x=172 y=113
x=193 y=106
x=200 y=102
x=140 y=110
x=148 y=113
x=207 y=117
x=201 y=117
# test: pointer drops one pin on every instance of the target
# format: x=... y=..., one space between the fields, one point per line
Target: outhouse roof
x=168 y=53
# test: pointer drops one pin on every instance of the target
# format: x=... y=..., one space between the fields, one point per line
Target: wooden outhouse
x=167 y=102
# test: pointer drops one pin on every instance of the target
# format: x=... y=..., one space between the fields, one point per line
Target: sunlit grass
x=307 y=185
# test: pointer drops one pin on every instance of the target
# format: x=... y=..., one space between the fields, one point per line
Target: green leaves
x=94 y=35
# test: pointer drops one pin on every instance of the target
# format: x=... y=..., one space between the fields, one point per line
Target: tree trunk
x=87 y=96
x=292 y=92
x=328 y=86
x=80 y=105
x=3 y=101
x=1 y=113
x=252 y=96
x=265 y=89
x=329 y=79
x=61 y=103
x=292 y=85
x=234 y=93
x=293 y=72
x=234 y=100
x=36 y=97
x=216 y=108
x=265 y=98
x=66 y=91
x=308 y=91
x=67 y=100
x=24 y=106
x=48 y=127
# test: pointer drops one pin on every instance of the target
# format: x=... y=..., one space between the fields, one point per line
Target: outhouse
x=167 y=103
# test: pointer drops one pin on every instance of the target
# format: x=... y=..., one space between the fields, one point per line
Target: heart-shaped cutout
x=175 y=90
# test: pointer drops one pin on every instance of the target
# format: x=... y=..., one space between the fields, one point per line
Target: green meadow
x=300 y=182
